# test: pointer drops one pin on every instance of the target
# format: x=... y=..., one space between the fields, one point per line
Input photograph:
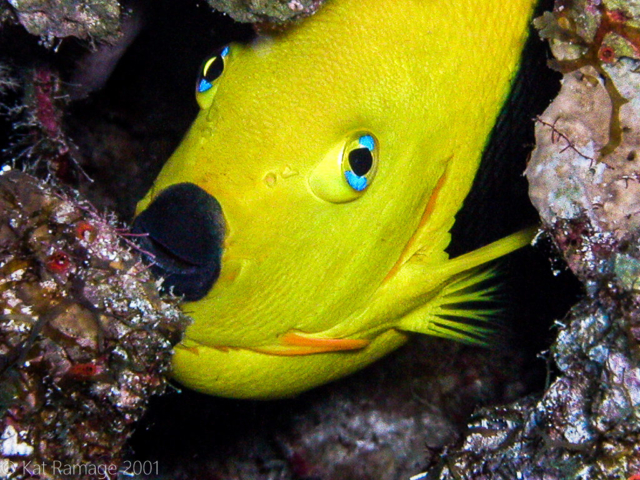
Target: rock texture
x=85 y=338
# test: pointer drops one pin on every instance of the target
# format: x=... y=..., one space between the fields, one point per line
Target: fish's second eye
x=211 y=70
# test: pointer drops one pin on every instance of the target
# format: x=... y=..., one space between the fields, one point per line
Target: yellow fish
x=306 y=213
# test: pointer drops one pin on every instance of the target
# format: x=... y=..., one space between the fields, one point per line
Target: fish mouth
x=182 y=233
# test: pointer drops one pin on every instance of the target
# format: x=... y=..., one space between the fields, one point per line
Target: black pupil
x=360 y=161
x=214 y=70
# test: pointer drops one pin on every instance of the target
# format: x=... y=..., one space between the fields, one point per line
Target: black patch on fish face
x=185 y=230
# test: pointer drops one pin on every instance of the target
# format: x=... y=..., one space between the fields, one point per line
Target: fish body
x=327 y=164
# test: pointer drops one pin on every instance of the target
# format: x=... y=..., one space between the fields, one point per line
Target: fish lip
x=182 y=233
x=163 y=257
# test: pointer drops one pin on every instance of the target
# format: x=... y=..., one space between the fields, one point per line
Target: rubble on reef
x=101 y=21
x=85 y=338
x=586 y=425
x=96 y=20
x=269 y=11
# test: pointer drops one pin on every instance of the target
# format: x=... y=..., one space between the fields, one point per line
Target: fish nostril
x=184 y=229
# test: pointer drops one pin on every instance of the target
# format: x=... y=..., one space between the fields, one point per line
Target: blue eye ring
x=368 y=142
x=360 y=162
x=356 y=182
x=203 y=86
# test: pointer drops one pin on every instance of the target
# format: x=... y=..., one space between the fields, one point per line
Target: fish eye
x=358 y=162
x=210 y=71
x=349 y=177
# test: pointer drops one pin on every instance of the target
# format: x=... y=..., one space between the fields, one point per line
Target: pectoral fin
x=445 y=314
x=464 y=283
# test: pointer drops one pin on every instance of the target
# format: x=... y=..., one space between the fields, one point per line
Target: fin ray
x=474 y=338
x=445 y=315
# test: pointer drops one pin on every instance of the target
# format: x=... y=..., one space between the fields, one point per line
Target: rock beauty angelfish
x=305 y=215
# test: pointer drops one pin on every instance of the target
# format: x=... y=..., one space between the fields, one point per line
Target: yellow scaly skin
x=305 y=259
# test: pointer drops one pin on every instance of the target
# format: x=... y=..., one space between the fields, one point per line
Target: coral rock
x=84 y=337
